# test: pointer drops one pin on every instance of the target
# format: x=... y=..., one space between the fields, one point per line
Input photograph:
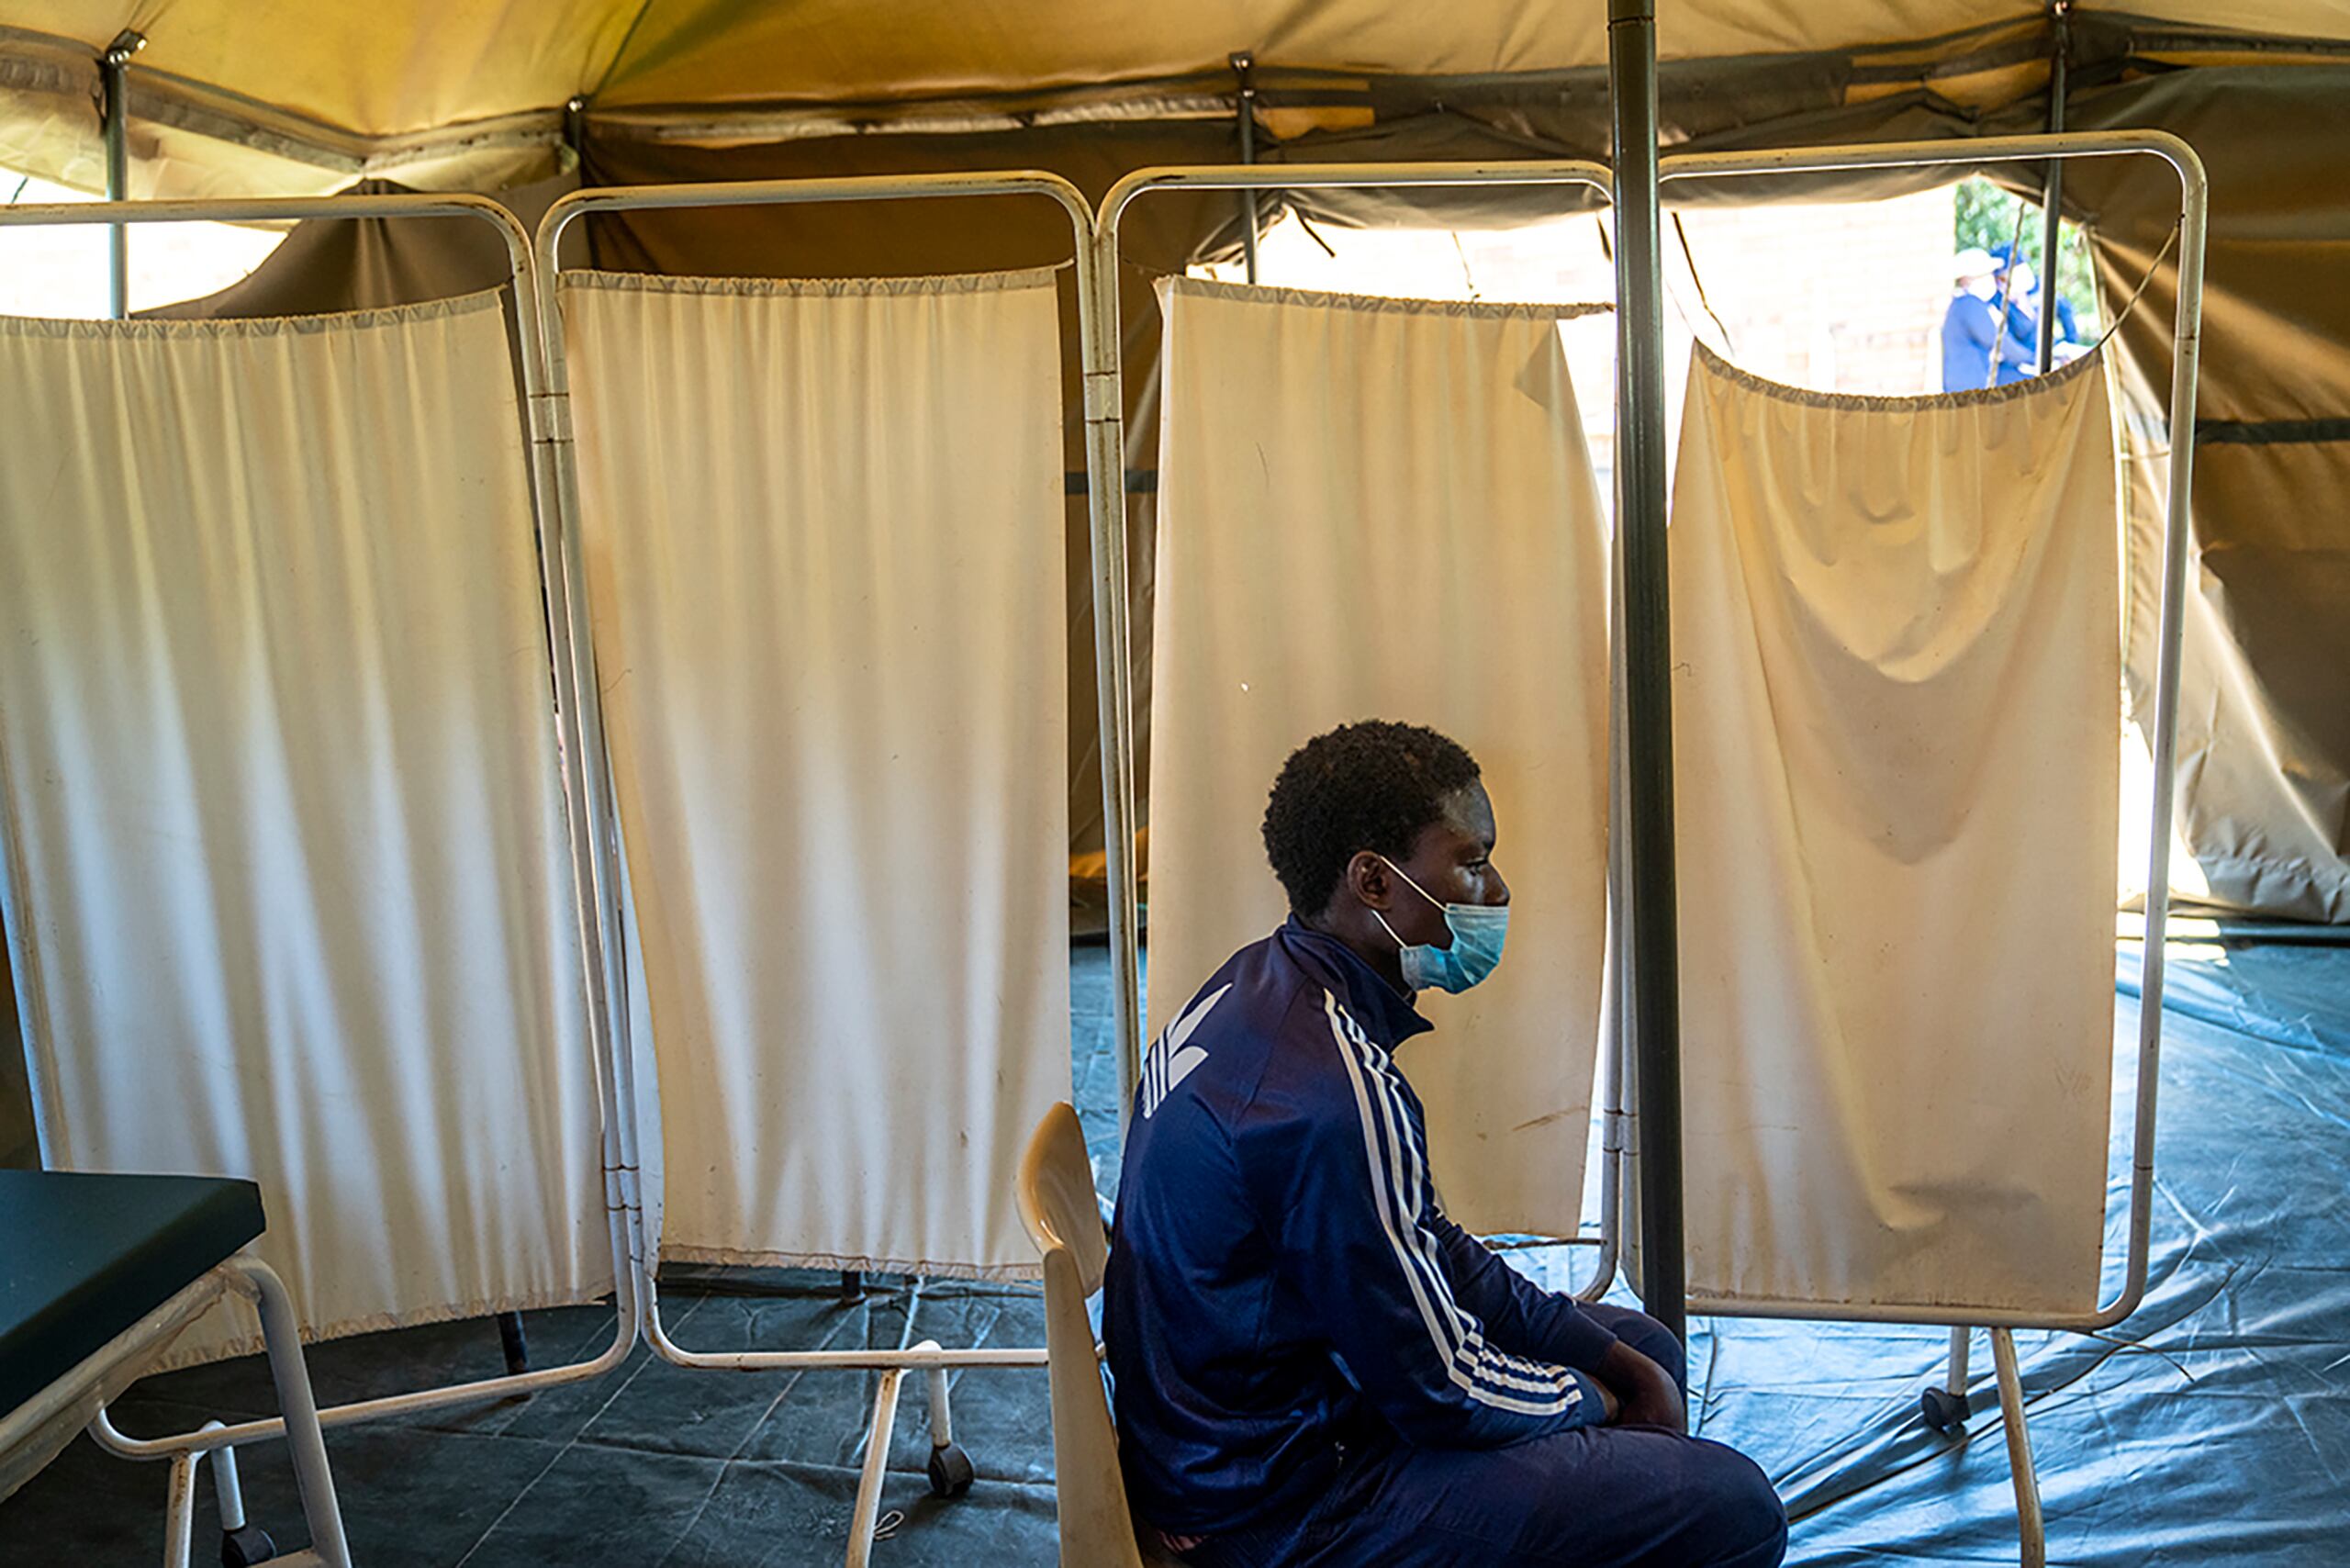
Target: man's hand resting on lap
x=1639 y=1393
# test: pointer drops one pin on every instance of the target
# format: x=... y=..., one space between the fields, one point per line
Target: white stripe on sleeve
x=1397 y=1179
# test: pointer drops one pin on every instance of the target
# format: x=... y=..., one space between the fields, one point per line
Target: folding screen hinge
x=1102 y=397
x=551 y=417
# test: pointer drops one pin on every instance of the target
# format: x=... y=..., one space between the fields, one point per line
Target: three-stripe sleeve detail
x=1398 y=1174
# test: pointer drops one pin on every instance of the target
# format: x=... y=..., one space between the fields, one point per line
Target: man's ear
x=1369 y=879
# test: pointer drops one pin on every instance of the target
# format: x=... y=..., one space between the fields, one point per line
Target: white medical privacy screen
x=1385 y=508
x=1897 y=716
x=294 y=898
x=823 y=533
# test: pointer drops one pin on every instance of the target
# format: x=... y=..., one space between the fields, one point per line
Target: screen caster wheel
x=243 y=1547
x=1942 y=1410
x=950 y=1472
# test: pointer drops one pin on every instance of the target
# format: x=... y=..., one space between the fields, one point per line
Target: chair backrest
x=1064 y=1219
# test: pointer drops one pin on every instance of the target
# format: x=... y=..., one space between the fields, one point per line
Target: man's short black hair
x=1373 y=785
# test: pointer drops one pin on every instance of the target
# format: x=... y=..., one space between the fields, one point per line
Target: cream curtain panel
x=277 y=756
x=1897 y=714
x=823 y=525
x=1385 y=508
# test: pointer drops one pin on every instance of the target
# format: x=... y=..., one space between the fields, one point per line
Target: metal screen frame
x=586 y=740
x=2049 y=150
x=1949 y=1406
x=1105 y=413
x=548 y=523
x=2193 y=201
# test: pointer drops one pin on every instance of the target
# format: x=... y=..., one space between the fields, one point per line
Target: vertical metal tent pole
x=1653 y=935
x=2053 y=189
x=113 y=70
x=1243 y=66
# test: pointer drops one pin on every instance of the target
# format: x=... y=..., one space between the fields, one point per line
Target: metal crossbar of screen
x=1109 y=399
x=216 y=1438
x=586 y=739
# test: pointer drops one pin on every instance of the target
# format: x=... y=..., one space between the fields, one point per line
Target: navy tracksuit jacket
x=1284 y=1290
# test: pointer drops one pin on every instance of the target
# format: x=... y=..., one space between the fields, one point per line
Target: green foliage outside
x=1987 y=217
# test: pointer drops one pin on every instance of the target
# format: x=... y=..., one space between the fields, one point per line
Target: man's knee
x=1744 y=1525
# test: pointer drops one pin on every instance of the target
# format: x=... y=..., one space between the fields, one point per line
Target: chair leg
x=2030 y=1529
x=305 y=1440
x=867 y=1512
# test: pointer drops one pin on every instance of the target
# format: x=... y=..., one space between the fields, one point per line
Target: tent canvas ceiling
x=344 y=90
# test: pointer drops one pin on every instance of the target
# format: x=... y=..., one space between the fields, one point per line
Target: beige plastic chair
x=1064 y=1219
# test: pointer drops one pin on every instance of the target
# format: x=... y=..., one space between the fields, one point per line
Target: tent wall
x=367 y=263
x=2265 y=691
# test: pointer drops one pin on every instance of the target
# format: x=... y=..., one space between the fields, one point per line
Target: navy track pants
x=1594 y=1497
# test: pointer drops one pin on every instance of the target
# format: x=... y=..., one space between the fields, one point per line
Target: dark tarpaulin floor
x=2211 y=1428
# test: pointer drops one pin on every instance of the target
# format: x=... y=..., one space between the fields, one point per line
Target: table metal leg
x=281 y=1335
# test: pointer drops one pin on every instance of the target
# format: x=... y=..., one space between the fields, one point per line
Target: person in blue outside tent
x=1971 y=328
x=1312 y=1366
x=2015 y=278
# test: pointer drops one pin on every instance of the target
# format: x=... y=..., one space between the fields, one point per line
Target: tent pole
x=2053 y=191
x=1243 y=66
x=113 y=68
x=1652 y=948
x=575 y=111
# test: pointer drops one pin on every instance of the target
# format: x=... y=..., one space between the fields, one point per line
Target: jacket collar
x=1385 y=1012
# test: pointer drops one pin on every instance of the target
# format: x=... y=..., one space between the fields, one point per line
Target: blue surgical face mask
x=1478 y=930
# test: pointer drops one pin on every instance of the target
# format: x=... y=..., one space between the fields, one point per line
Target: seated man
x=1312 y=1364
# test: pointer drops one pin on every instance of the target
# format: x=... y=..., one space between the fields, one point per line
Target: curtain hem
x=929 y=1269
x=813 y=288
x=1475 y=309
x=214 y=328
x=1910 y=402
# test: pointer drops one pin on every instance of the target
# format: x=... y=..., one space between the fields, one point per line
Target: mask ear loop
x=1409 y=883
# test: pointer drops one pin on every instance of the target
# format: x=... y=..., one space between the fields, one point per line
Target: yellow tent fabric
x=277 y=95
